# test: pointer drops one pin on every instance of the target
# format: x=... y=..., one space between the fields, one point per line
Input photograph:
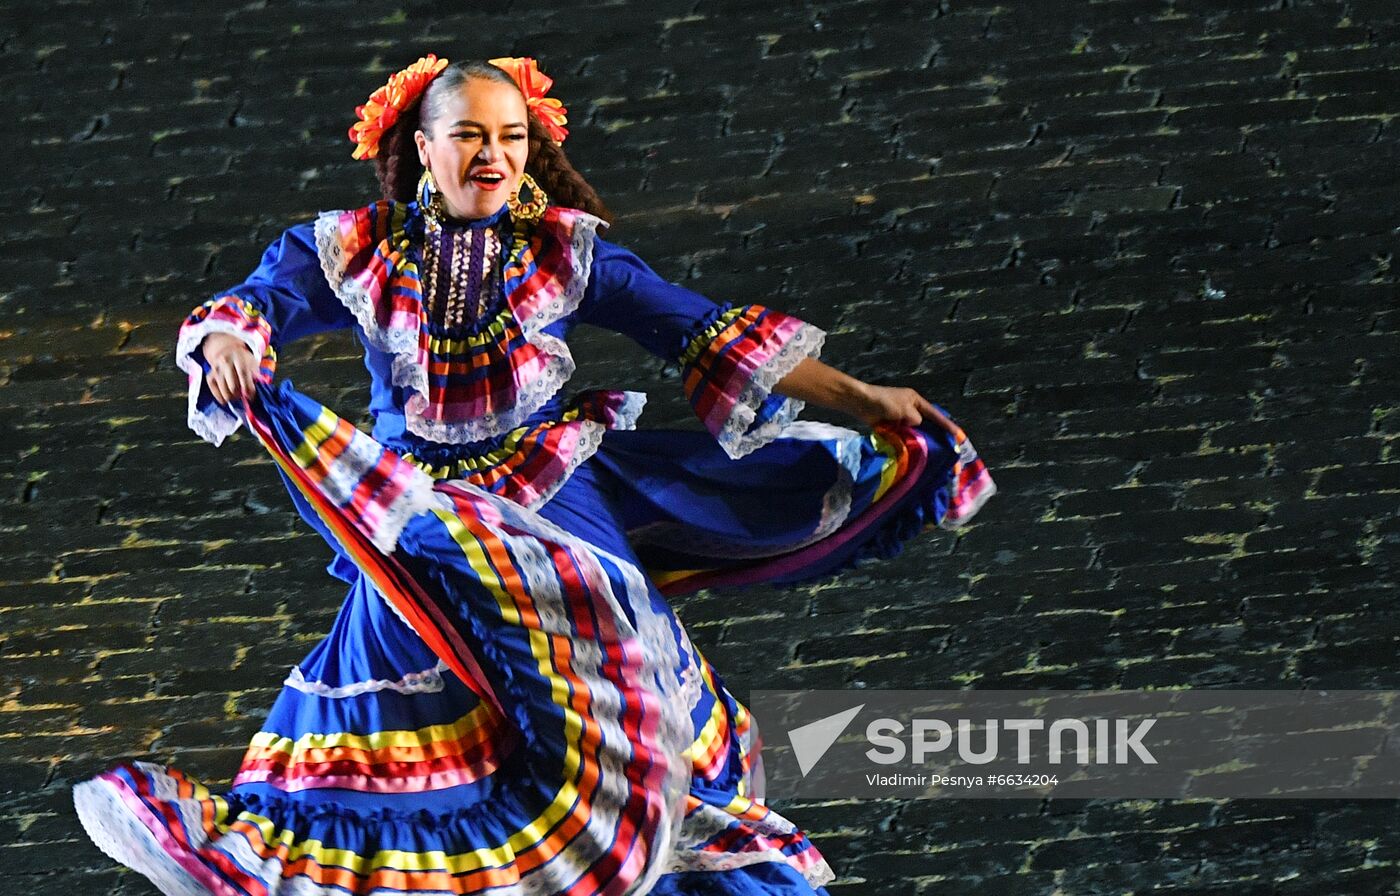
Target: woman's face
x=479 y=147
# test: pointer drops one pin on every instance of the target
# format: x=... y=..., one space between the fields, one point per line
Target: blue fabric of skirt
x=506 y=702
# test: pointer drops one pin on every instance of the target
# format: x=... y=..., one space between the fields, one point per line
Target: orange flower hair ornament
x=535 y=84
x=385 y=104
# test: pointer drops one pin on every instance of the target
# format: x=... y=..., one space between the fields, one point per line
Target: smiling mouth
x=488 y=180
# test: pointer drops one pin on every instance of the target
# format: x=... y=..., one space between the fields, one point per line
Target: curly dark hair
x=398 y=168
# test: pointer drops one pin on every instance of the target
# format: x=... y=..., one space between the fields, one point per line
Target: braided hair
x=398 y=169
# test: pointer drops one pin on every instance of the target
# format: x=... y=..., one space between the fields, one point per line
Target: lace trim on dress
x=353 y=294
x=590 y=436
x=511 y=471
x=119 y=832
x=378 y=490
x=707 y=822
x=364 y=455
x=426 y=681
x=737 y=437
x=731 y=364
x=237 y=317
x=401 y=336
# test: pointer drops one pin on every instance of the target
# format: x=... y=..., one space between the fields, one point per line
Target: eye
x=467 y=135
x=515 y=137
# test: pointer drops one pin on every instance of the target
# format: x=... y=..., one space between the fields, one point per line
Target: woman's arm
x=729 y=355
x=821 y=384
x=226 y=343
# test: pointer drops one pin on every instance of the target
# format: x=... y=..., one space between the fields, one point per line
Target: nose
x=490 y=150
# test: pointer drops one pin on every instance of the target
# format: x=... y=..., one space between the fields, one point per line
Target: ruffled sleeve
x=731 y=356
x=285 y=298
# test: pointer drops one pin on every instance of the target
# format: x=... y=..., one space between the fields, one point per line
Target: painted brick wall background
x=1142 y=250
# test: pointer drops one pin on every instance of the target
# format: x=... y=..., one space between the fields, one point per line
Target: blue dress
x=506 y=703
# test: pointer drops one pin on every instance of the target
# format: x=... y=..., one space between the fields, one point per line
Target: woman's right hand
x=233 y=368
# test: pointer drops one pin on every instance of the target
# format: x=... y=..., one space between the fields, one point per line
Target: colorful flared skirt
x=506 y=704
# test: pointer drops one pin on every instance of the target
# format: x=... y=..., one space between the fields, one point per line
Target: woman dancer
x=506 y=704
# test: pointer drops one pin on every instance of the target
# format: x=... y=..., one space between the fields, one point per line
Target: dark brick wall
x=1141 y=249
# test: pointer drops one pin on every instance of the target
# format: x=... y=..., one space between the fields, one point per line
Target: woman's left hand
x=820 y=383
x=895 y=404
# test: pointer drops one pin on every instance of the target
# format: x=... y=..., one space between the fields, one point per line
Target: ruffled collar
x=461 y=389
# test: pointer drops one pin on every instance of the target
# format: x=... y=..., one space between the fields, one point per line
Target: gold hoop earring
x=430 y=197
x=531 y=210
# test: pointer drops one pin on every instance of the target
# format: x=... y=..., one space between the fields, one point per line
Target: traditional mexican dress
x=506 y=704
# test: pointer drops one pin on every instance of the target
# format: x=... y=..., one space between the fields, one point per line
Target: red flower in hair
x=535 y=84
x=385 y=104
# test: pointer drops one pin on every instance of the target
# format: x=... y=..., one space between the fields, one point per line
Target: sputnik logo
x=811 y=741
